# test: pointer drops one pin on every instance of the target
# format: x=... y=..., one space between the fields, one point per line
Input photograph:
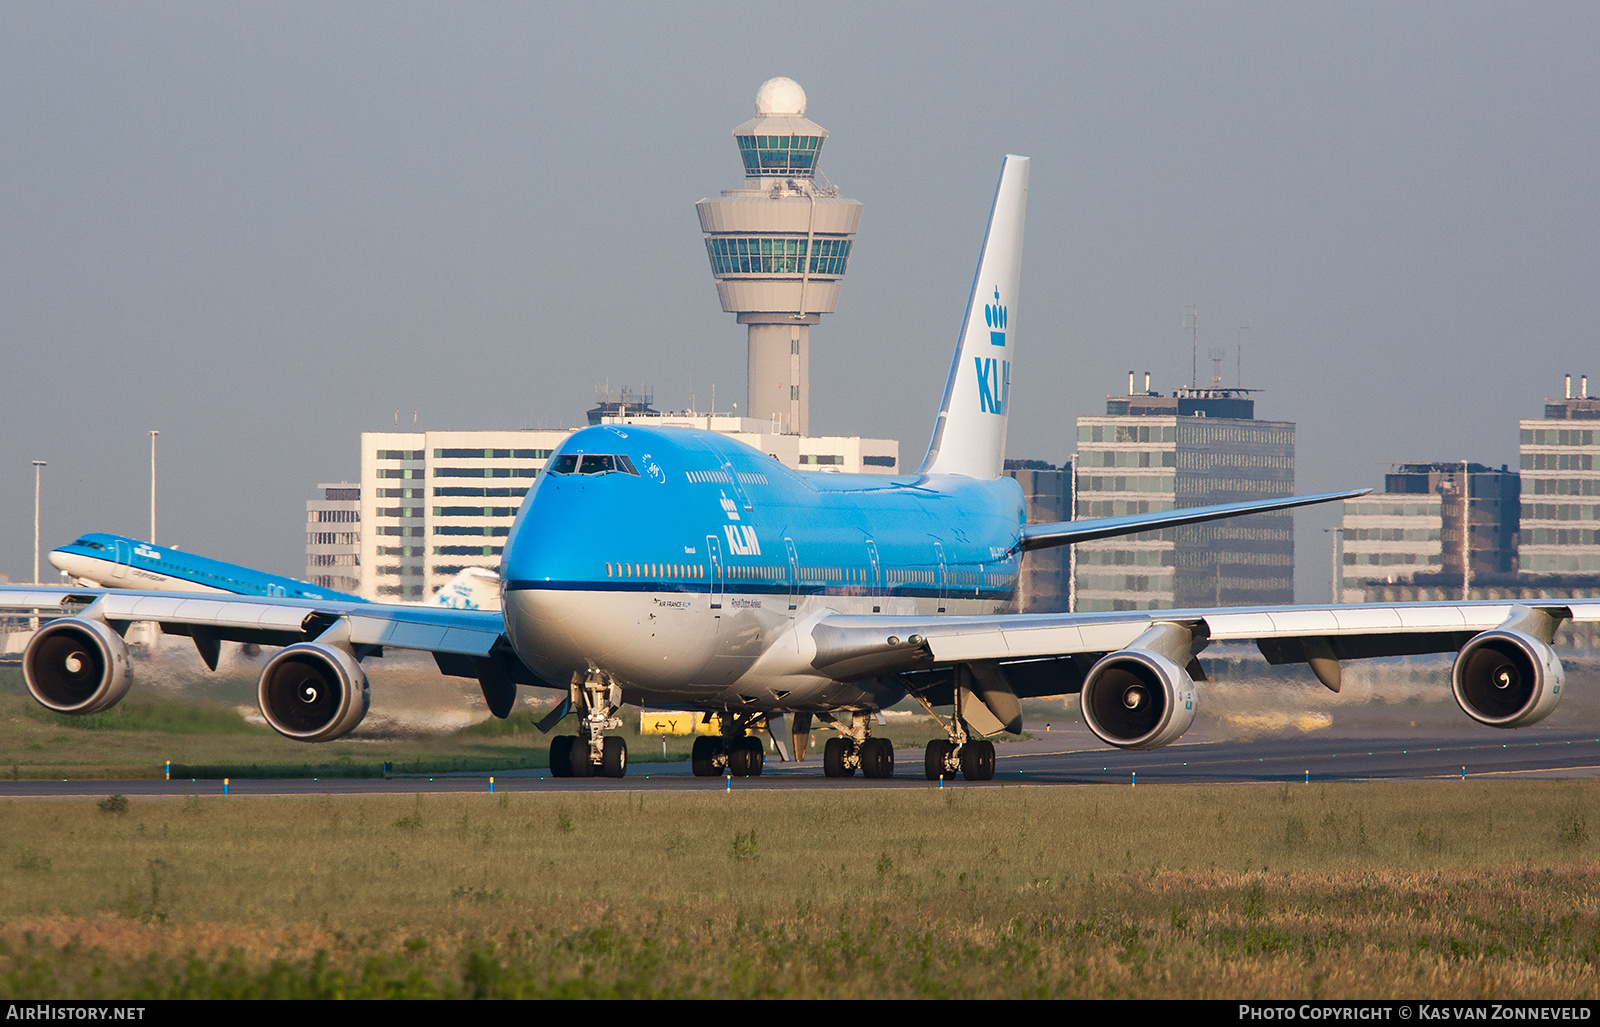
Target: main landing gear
x=590 y=753
x=972 y=758
x=844 y=754
x=732 y=752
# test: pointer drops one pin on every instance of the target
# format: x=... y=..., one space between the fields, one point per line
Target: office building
x=1412 y=532
x=333 y=537
x=1043 y=585
x=1560 y=461
x=1195 y=447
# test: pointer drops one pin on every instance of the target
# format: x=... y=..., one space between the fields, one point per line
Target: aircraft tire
x=833 y=754
x=702 y=755
x=877 y=758
x=582 y=765
x=933 y=758
x=561 y=755
x=977 y=761
x=755 y=756
x=614 y=763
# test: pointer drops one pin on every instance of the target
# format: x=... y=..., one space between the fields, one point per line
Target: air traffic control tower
x=778 y=250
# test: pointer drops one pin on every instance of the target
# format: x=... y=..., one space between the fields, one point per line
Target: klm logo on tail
x=994 y=373
x=994 y=384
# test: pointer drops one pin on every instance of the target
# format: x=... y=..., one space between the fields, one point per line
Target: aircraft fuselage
x=691 y=567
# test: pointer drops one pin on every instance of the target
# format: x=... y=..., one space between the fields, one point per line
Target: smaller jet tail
x=969 y=438
x=474 y=588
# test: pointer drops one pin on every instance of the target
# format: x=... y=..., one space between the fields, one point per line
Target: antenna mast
x=1191 y=321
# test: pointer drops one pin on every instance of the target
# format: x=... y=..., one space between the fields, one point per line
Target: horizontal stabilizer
x=1066 y=533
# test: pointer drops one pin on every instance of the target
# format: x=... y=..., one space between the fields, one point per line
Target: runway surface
x=1058 y=758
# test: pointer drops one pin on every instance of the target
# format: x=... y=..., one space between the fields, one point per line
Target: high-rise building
x=1411 y=534
x=778 y=250
x=1196 y=447
x=434 y=503
x=1560 y=459
x=1043 y=585
x=333 y=537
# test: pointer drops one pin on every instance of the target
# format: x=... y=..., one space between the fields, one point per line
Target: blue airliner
x=113 y=561
x=680 y=568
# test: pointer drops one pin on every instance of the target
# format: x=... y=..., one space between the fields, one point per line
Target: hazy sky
x=262 y=228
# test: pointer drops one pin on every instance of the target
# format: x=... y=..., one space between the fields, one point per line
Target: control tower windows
x=778 y=256
x=779 y=155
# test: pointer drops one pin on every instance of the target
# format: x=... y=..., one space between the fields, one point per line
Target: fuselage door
x=876 y=568
x=943 y=582
x=124 y=559
x=714 y=569
x=794 y=572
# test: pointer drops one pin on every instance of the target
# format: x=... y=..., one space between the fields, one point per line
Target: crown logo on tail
x=994 y=314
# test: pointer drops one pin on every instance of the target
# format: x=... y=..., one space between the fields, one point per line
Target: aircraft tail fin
x=474 y=588
x=969 y=437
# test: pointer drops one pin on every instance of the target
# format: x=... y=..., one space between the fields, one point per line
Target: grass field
x=1441 y=889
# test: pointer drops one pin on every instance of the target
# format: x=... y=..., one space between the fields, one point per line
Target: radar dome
x=779 y=96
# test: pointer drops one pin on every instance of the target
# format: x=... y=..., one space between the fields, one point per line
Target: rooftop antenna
x=1191 y=321
x=1244 y=326
x=1216 y=354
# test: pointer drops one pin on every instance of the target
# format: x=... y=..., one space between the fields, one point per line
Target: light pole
x=38 y=465
x=1466 y=531
x=153 y=435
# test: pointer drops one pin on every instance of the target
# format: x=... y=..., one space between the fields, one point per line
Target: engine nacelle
x=1135 y=699
x=313 y=692
x=77 y=666
x=1506 y=678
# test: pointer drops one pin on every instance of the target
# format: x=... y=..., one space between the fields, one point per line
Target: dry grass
x=1443 y=889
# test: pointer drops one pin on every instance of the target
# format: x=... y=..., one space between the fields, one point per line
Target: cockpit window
x=87 y=544
x=592 y=463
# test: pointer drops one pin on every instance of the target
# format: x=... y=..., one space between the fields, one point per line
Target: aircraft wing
x=1066 y=533
x=1006 y=657
x=268 y=621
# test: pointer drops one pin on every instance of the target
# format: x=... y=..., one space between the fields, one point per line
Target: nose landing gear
x=590 y=753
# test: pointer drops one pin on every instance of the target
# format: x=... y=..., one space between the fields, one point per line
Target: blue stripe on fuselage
x=661 y=529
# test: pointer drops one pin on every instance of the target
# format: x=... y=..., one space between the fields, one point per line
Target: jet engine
x=75 y=665
x=313 y=692
x=1506 y=678
x=1135 y=699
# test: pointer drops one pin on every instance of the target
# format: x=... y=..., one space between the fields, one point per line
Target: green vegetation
x=1441 y=889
